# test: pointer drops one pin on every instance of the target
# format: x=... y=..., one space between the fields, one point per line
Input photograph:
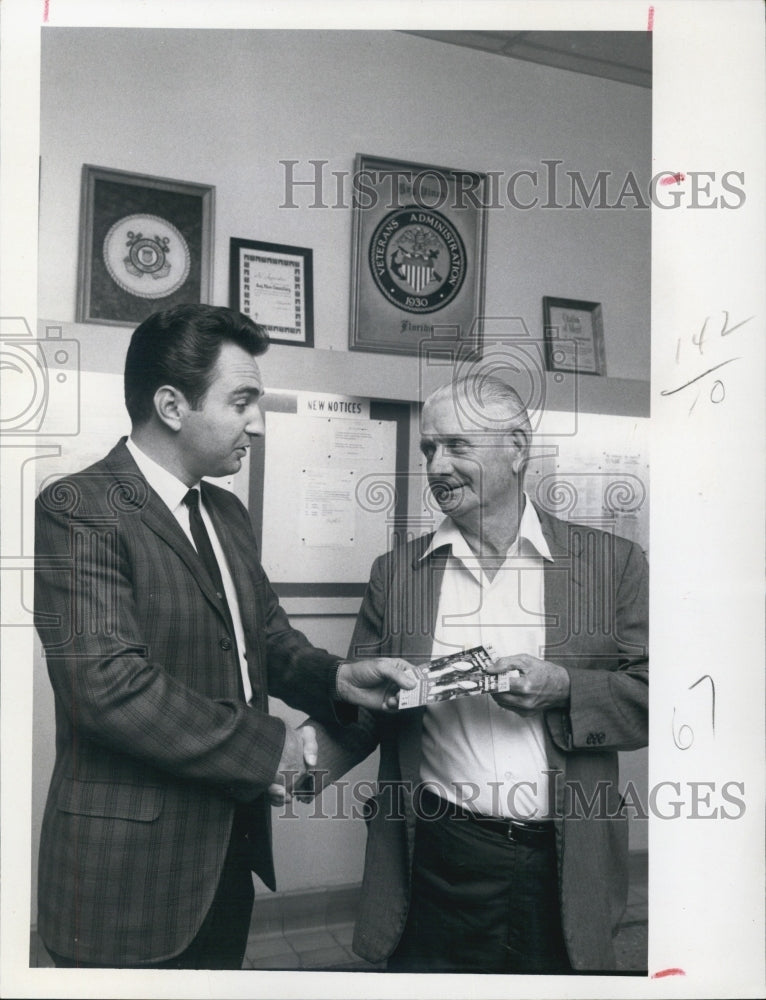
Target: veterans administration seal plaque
x=417 y=259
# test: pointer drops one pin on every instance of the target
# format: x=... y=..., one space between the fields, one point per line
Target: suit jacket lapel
x=134 y=493
x=563 y=589
x=562 y=582
x=418 y=592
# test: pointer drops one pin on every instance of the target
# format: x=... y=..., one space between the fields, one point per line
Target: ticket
x=455 y=676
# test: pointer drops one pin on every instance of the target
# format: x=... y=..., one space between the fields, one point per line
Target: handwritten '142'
x=717 y=390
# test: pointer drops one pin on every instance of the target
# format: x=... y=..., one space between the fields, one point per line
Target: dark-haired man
x=163 y=639
x=496 y=840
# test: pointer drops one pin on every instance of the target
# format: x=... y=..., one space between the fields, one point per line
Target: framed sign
x=273 y=285
x=574 y=336
x=418 y=255
x=145 y=245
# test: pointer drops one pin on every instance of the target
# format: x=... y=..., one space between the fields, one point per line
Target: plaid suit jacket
x=596 y=601
x=154 y=748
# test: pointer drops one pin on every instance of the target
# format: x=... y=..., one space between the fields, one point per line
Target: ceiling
x=615 y=55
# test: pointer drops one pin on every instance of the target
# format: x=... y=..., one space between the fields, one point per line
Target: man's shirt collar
x=169 y=489
x=531 y=531
x=530 y=540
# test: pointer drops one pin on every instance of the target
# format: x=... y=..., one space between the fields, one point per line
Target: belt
x=530 y=833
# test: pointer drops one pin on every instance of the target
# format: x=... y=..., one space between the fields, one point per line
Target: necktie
x=207 y=555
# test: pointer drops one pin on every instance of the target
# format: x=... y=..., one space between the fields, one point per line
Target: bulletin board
x=327 y=490
x=596 y=473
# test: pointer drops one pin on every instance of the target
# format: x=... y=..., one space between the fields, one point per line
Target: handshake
x=298 y=755
x=372 y=684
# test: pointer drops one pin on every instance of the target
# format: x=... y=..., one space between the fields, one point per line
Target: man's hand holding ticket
x=455 y=676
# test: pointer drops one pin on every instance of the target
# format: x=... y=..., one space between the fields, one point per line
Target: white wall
x=225 y=107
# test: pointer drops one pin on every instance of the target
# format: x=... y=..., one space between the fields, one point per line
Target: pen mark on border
x=668 y=972
x=730 y=329
x=685 y=732
x=707 y=677
x=669 y=392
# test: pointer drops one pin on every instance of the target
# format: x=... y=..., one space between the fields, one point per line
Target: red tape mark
x=668 y=972
x=673 y=179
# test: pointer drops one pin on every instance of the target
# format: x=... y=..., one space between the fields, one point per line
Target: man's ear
x=521 y=448
x=170 y=405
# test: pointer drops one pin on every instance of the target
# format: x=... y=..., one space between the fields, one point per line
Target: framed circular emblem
x=147 y=256
x=417 y=259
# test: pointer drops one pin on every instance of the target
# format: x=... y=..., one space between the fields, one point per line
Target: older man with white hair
x=496 y=839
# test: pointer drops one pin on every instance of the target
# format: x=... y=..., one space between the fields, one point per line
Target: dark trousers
x=480 y=903
x=221 y=941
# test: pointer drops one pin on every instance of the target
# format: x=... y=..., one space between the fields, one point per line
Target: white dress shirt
x=172 y=492
x=488 y=758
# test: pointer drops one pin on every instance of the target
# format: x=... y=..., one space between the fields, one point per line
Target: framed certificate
x=273 y=285
x=145 y=245
x=574 y=336
x=418 y=255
